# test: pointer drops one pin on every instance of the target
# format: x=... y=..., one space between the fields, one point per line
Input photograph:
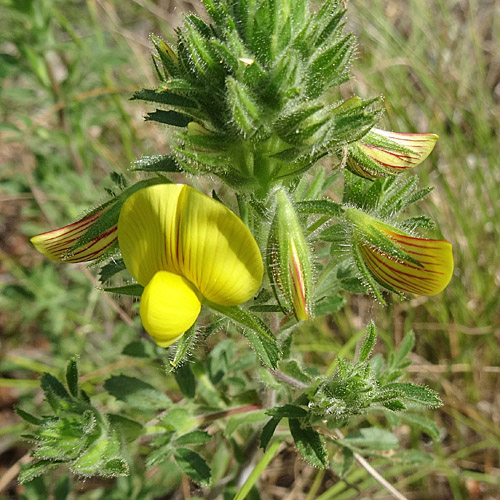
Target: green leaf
x=28 y=417
x=405 y=348
x=368 y=343
x=57 y=396
x=62 y=489
x=266 y=348
x=416 y=457
x=248 y=419
x=194 y=437
x=72 y=378
x=115 y=467
x=394 y=405
x=163 y=97
x=268 y=431
x=265 y=308
x=137 y=393
x=140 y=349
x=325 y=207
x=293 y=369
x=423 y=423
x=90 y=462
x=347 y=461
x=128 y=428
x=185 y=380
x=32 y=471
x=135 y=290
x=308 y=442
x=328 y=305
x=371 y=438
x=169 y=118
x=157 y=163
x=193 y=465
x=287 y=411
x=110 y=269
x=257 y=333
x=416 y=393
x=179 y=420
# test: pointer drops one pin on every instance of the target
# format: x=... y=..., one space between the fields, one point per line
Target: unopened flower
x=381 y=153
x=290 y=259
x=399 y=261
x=184 y=248
x=60 y=244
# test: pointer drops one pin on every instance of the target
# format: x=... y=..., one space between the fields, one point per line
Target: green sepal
x=134 y=290
x=327 y=23
x=184 y=346
x=325 y=207
x=164 y=97
x=368 y=343
x=172 y=118
x=156 y=163
x=244 y=108
x=330 y=67
x=36 y=469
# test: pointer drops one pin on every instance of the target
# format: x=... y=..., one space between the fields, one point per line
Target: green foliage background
x=67 y=71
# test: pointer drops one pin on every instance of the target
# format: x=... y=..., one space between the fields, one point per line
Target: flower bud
x=67 y=245
x=398 y=261
x=382 y=154
x=289 y=259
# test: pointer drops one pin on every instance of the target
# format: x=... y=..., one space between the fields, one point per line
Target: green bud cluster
x=254 y=92
x=77 y=434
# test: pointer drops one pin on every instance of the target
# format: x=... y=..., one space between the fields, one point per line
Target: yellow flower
x=58 y=245
x=381 y=153
x=400 y=261
x=184 y=247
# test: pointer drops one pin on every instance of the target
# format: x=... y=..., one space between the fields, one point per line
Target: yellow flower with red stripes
x=62 y=245
x=381 y=153
x=397 y=260
x=183 y=247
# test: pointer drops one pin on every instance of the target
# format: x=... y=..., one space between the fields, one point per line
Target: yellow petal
x=218 y=254
x=56 y=244
x=300 y=305
x=148 y=231
x=435 y=257
x=169 y=306
x=175 y=228
x=418 y=148
x=381 y=153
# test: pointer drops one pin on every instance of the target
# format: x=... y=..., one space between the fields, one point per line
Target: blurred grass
x=67 y=71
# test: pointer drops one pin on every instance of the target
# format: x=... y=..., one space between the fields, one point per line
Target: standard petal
x=148 y=231
x=169 y=306
x=217 y=252
x=57 y=244
x=435 y=257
